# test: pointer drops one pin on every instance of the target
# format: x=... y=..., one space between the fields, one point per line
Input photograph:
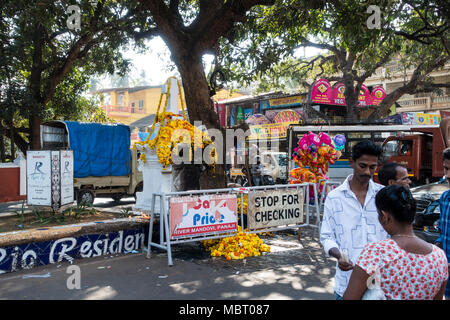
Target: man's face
x=447 y=169
x=364 y=167
x=402 y=177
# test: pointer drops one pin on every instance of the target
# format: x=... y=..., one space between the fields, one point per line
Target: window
x=132 y=107
x=120 y=99
x=141 y=104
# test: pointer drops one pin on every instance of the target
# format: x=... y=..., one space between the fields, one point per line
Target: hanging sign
x=197 y=216
x=364 y=97
x=338 y=94
x=274 y=208
x=378 y=94
x=321 y=92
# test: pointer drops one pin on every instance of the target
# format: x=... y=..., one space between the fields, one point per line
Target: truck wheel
x=85 y=196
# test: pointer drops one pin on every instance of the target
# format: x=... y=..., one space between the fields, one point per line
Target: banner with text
x=197 y=216
x=269 y=131
x=274 y=208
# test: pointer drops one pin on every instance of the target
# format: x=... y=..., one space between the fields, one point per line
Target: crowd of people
x=368 y=228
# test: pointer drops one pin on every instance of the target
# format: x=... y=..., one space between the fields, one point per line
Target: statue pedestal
x=156 y=180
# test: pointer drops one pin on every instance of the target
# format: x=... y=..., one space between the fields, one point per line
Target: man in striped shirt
x=444 y=202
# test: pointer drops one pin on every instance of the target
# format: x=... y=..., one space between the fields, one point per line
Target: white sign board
x=39 y=178
x=274 y=208
x=66 y=167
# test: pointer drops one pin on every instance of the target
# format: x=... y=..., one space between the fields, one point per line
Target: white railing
x=424 y=102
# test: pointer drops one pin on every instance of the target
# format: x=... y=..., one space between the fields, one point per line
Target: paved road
x=292 y=270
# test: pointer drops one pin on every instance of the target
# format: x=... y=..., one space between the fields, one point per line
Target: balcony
x=122 y=109
x=424 y=103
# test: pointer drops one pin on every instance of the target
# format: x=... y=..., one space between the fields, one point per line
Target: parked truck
x=104 y=163
x=420 y=151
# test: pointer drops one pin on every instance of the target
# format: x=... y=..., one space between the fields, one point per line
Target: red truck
x=420 y=151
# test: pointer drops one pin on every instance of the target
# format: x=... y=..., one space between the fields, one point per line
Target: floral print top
x=403 y=275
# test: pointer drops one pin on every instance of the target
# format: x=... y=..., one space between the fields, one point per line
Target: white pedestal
x=156 y=180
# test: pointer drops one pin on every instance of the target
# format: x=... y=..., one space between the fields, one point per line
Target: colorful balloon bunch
x=316 y=151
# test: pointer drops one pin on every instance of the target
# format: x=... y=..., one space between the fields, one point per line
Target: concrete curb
x=53 y=233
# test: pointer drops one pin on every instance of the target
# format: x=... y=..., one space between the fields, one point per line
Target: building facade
x=128 y=105
x=393 y=76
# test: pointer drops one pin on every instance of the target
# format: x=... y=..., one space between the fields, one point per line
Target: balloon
x=339 y=141
x=304 y=142
x=315 y=140
x=314 y=154
x=325 y=139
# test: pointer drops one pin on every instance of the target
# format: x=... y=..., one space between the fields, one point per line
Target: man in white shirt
x=350 y=218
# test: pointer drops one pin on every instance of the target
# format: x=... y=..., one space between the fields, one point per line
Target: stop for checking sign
x=274 y=208
x=274 y=200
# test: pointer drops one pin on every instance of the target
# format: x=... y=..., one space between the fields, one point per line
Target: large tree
x=46 y=59
x=190 y=30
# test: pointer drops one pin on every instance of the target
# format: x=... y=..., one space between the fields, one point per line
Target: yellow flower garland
x=240 y=246
x=169 y=123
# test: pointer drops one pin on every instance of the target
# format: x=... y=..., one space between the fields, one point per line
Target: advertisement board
x=39 y=178
x=274 y=208
x=66 y=167
x=269 y=131
x=202 y=215
x=50 y=178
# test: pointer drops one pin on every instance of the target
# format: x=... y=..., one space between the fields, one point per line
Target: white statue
x=156 y=179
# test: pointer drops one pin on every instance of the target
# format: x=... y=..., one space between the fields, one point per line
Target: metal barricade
x=310 y=205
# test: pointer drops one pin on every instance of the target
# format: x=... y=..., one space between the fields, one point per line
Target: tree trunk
x=196 y=91
x=351 y=100
x=2 y=149
x=35 y=132
x=200 y=108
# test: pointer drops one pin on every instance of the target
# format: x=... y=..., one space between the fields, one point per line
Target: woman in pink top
x=404 y=267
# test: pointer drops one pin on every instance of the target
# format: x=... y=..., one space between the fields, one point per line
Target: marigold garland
x=240 y=246
x=165 y=142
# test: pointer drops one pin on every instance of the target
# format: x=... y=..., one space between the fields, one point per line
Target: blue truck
x=104 y=163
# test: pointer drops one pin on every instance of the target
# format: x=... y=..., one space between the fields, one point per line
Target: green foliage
x=267 y=48
x=46 y=67
x=21 y=213
x=79 y=210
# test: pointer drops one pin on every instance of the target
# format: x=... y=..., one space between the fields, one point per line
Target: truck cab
x=420 y=151
x=275 y=164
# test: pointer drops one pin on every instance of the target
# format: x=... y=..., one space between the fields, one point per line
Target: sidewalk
x=292 y=270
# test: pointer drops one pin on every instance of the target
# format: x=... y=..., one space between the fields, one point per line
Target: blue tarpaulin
x=99 y=149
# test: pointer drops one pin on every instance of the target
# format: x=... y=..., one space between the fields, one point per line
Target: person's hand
x=345 y=265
